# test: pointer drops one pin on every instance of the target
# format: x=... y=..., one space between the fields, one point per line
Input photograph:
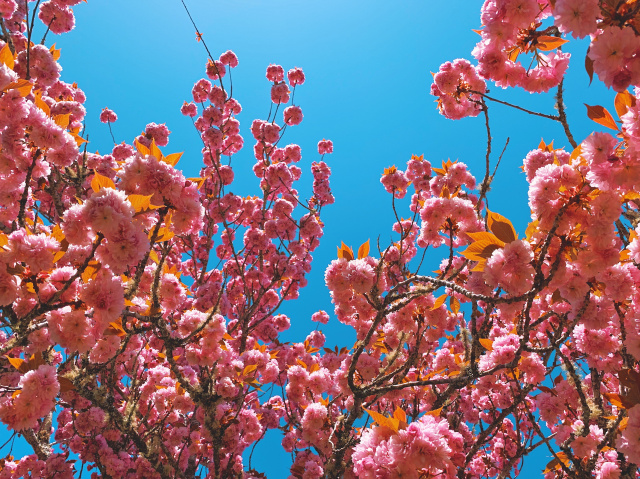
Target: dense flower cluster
x=141 y=323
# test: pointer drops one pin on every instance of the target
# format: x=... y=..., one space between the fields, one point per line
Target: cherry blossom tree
x=140 y=309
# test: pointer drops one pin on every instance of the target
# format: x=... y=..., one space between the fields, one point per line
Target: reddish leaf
x=501 y=227
x=601 y=116
x=588 y=66
x=345 y=252
x=65 y=384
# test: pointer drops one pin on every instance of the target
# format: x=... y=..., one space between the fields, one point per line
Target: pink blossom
x=325 y=146
x=229 y=58
x=320 y=317
x=295 y=76
x=108 y=116
x=292 y=115
x=58 y=18
x=280 y=93
x=577 y=17
x=215 y=70
x=275 y=73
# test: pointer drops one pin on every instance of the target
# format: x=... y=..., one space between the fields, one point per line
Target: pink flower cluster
x=36 y=397
x=459 y=89
x=426 y=446
x=511 y=28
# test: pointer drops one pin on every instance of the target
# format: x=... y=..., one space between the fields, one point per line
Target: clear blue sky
x=368 y=70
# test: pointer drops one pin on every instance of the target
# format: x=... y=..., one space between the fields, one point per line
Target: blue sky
x=368 y=75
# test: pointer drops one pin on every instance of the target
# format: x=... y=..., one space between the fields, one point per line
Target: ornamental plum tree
x=140 y=308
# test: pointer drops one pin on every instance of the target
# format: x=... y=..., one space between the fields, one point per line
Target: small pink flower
x=275 y=73
x=108 y=116
x=320 y=317
x=325 y=146
x=229 y=58
x=295 y=76
x=189 y=109
x=280 y=93
x=293 y=115
x=215 y=70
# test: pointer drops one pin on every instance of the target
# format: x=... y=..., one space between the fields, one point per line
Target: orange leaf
x=40 y=103
x=616 y=400
x=501 y=227
x=600 y=115
x=100 y=181
x=547 y=43
x=249 y=369
x=555 y=462
x=480 y=250
x=55 y=52
x=383 y=421
x=172 y=159
x=439 y=302
x=400 y=415
x=142 y=202
x=623 y=424
x=57 y=233
x=624 y=100
x=575 y=154
x=62 y=120
x=345 y=252
x=486 y=343
x=6 y=56
x=163 y=235
x=486 y=236
x=435 y=412
x=513 y=54
x=143 y=150
x=15 y=362
x=197 y=181
x=116 y=327
x=58 y=256
x=89 y=272
x=363 y=251
x=480 y=266
x=23 y=86
x=454 y=304
x=155 y=151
